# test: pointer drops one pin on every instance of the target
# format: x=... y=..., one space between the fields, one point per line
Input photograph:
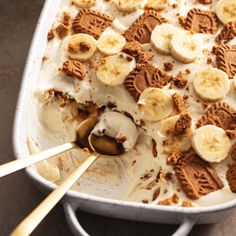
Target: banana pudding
x=160 y=75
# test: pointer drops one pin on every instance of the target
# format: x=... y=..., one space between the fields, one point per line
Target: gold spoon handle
x=31 y=221
x=16 y=165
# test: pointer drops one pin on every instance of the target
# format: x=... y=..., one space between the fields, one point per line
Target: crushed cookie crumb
x=180 y=81
x=209 y=61
x=168 y=176
x=45 y=58
x=204 y=105
x=62 y=30
x=173 y=158
x=158 y=176
x=134 y=162
x=187 y=71
x=175 y=5
x=182 y=20
x=154 y=148
x=183 y=124
x=145 y=176
x=66 y=19
x=168 y=66
x=175 y=198
x=156 y=194
x=166 y=202
x=178 y=102
x=145 y=201
x=50 y=35
x=187 y=204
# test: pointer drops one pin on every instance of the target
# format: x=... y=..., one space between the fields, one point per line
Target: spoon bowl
x=102 y=145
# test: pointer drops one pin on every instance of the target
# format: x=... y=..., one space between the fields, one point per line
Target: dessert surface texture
x=161 y=77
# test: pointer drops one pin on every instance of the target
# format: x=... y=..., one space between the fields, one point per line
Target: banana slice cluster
x=81 y=47
x=113 y=70
x=226 y=10
x=84 y=3
x=168 y=39
x=127 y=5
x=155 y=104
x=211 y=143
x=161 y=37
x=211 y=84
x=111 y=42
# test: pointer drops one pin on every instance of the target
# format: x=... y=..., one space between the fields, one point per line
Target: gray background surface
x=18 y=196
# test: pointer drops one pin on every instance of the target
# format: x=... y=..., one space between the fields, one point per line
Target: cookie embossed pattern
x=169 y=90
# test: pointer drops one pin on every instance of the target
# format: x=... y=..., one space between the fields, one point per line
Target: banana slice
x=127 y=5
x=211 y=143
x=161 y=36
x=84 y=3
x=158 y=5
x=114 y=69
x=226 y=10
x=111 y=42
x=183 y=47
x=81 y=47
x=155 y=104
x=211 y=84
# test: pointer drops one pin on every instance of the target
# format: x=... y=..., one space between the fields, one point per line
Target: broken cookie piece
x=227 y=33
x=231 y=177
x=201 y=21
x=196 y=177
x=226 y=59
x=145 y=76
x=219 y=114
x=180 y=81
x=134 y=50
x=183 y=124
x=91 y=22
x=62 y=31
x=74 y=69
x=142 y=28
x=178 y=102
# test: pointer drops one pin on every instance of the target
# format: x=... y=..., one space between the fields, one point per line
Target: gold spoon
x=101 y=145
x=81 y=140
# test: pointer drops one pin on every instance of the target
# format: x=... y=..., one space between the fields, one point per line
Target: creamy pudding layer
x=163 y=167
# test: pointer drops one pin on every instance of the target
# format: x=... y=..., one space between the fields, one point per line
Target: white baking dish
x=186 y=217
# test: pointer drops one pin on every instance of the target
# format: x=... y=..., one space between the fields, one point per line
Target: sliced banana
x=158 y=5
x=211 y=143
x=81 y=47
x=211 y=84
x=155 y=104
x=113 y=70
x=183 y=47
x=127 y=5
x=84 y=3
x=111 y=42
x=226 y=10
x=161 y=36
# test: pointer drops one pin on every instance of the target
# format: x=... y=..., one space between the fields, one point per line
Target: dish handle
x=75 y=226
x=185 y=227
x=183 y=230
